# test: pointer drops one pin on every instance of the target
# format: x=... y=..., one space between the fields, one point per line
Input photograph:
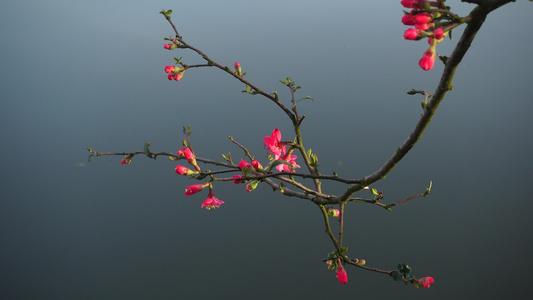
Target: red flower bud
x=414 y=34
x=438 y=33
x=428 y=60
x=193 y=189
x=341 y=275
x=408 y=20
x=184 y=171
x=425 y=282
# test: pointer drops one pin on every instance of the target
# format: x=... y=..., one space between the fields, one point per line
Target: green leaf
x=374 y=191
x=168 y=13
x=147 y=149
x=396 y=275
x=305 y=98
x=405 y=269
x=314 y=160
x=91 y=156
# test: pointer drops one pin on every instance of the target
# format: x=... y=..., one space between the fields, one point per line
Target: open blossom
x=274 y=144
x=341 y=275
x=290 y=159
x=193 y=189
x=425 y=282
x=211 y=201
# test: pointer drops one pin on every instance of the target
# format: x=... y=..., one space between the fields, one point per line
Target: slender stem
x=328 y=226
x=341 y=223
x=226 y=69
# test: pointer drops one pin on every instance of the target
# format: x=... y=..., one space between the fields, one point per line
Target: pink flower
x=170 y=46
x=237 y=180
x=414 y=3
x=176 y=77
x=188 y=154
x=257 y=165
x=174 y=73
x=414 y=34
x=341 y=275
x=238 y=69
x=126 y=160
x=422 y=18
x=290 y=159
x=244 y=164
x=408 y=19
x=246 y=168
x=184 y=171
x=438 y=33
x=274 y=144
x=211 y=201
x=425 y=282
x=423 y=26
x=193 y=189
x=428 y=60
x=170 y=69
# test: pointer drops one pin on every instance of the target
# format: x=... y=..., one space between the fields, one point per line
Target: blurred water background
x=78 y=74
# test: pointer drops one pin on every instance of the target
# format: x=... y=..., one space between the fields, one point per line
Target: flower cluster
x=340 y=272
x=424 y=19
x=276 y=147
x=174 y=72
x=175 y=44
x=283 y=160
x=211 y=201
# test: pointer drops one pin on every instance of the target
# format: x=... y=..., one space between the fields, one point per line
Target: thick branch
x=478 y=16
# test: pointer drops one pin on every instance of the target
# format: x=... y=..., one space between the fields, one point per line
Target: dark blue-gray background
x=90 y=74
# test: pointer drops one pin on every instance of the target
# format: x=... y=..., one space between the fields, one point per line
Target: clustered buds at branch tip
x=426 y=22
